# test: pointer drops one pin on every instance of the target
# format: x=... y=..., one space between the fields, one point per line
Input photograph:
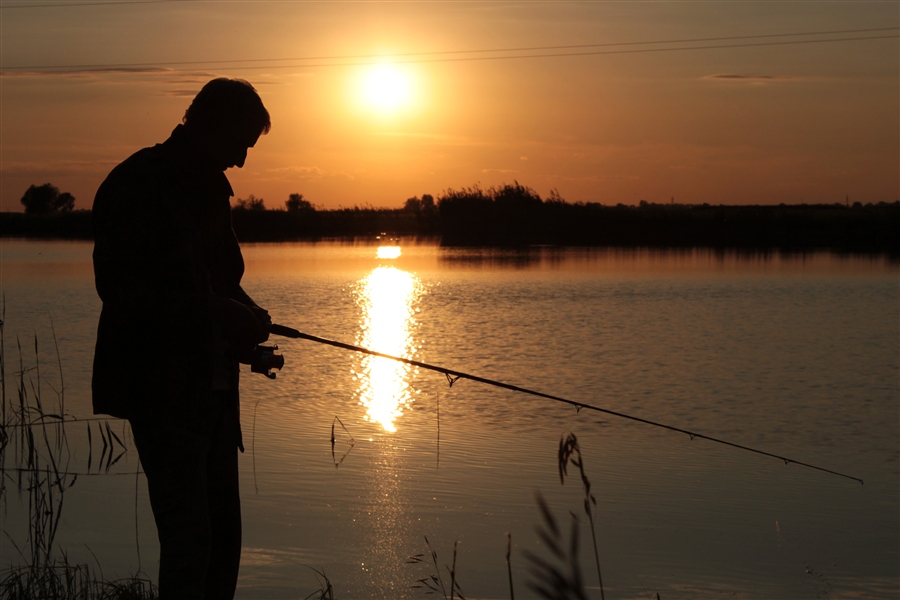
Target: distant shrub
x=250 y=203
x=47 y=198
x=296 y=203
x=510 y=214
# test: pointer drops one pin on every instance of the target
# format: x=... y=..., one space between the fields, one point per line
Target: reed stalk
x=512 y=595
x=570 y=452
x=325 y=591
x=435 y=581
x=559 y=577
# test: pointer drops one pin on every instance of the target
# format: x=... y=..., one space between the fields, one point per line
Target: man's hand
x=263 y=316
x=243 y=326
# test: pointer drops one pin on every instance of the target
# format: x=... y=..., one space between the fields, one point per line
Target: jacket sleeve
x=235 y=262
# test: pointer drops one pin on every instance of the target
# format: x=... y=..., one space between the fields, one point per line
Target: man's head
x=227 y=117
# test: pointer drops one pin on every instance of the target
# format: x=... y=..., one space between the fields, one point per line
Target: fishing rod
x=453 y=375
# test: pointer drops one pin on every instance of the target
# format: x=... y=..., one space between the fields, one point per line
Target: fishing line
x=453 y=375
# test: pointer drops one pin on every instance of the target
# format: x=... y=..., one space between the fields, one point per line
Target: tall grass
x=59 y=579
x=33 y=439
x=325 y=591
x=556 y=577
x=559 y=577
x=434 y=582
x=570 y=453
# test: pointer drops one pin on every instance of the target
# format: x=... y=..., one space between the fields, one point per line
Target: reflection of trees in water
x=492 y=257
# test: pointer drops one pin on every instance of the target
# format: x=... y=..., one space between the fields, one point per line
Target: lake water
x=794 y=355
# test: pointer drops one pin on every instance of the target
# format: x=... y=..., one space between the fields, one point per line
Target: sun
x=386 y=89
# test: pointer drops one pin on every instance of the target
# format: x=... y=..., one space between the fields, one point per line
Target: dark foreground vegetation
x=515 y=215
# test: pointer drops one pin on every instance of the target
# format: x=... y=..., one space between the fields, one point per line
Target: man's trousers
x=189 y=456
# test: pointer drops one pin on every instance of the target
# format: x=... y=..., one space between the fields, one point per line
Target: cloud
x=594 y=178
x=185 y=85
x=437 y=138
x=523 y=158
x=309 y=173
x=499 y=171
x=751 y=78
x=26 y=72
x=182 y=93
x=67 y=166
x=188 y=84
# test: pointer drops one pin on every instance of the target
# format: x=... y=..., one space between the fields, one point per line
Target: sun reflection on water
x=387 y=297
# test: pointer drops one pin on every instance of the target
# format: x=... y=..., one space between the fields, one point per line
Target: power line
x=448 y=52
x=451 y=55
x=125 y=2
x=173 y=2
x=570 y=54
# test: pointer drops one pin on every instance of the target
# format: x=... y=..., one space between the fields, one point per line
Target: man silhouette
x=175 y=323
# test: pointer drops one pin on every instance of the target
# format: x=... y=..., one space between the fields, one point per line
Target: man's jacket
x=163 y=244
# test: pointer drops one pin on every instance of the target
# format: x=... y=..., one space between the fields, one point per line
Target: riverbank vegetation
x=36 y=467
x=515 y=215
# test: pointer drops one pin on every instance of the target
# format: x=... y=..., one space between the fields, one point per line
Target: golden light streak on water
x=387 y=298
x=388 y=252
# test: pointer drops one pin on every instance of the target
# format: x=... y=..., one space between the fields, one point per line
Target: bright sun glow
x=386 y=88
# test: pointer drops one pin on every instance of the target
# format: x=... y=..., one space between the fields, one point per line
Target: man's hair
x=227 y=103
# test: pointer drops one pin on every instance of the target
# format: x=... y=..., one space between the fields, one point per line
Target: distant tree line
x=515 y=215
x=300 y=219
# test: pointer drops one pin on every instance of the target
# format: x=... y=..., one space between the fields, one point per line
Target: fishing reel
x=263 y=359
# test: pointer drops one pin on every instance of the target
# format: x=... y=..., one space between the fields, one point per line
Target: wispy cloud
x=738 y=77
x=186 y=84
x=57 y=166
x=499 y=171
x=182 y=93
x=437 y=138
x=82 y=72
x=308 y=173
x=594 y=178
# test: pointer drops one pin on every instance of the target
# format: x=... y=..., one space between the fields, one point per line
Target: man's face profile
x=229 y=149
x=238 y=150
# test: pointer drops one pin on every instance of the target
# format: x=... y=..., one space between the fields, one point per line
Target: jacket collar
x=185 y=152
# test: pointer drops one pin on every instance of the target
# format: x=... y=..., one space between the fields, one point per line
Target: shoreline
x=869 y=229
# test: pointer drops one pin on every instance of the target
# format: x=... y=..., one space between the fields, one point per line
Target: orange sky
x=797 y=122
